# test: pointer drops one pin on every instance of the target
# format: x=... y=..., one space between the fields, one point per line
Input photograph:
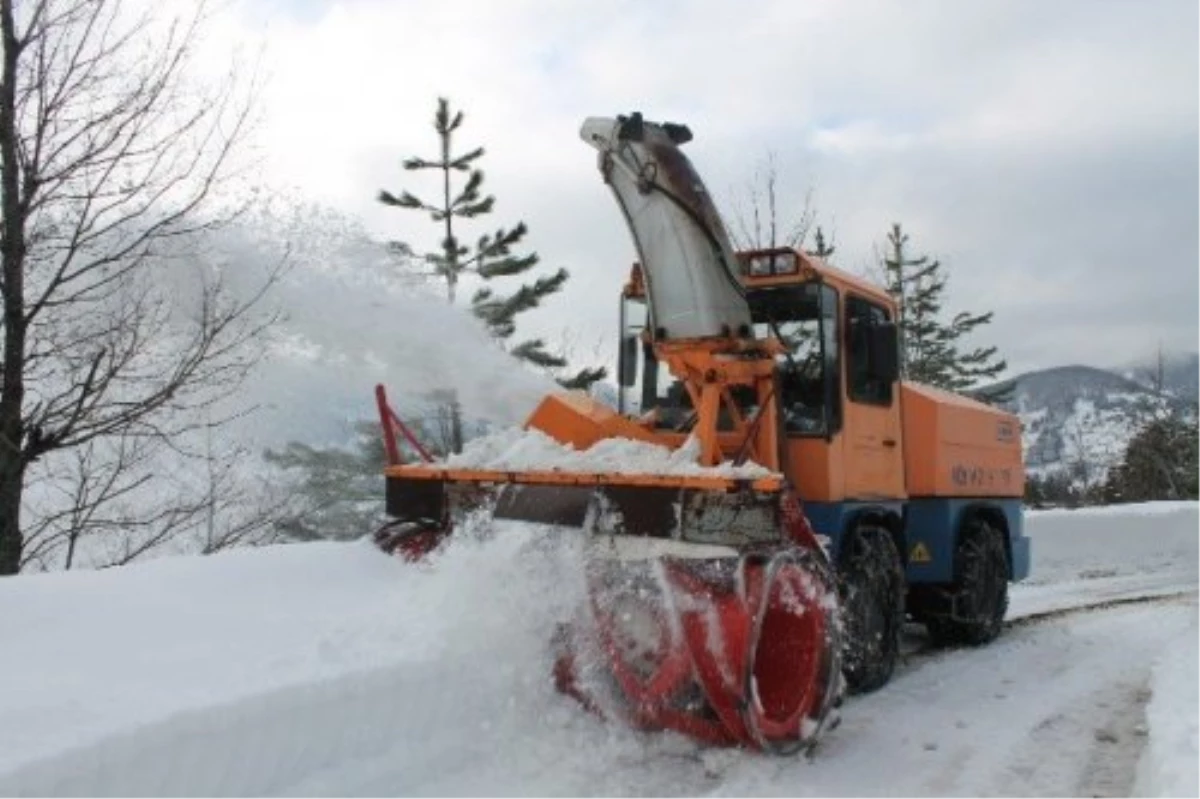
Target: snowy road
x=325 y=669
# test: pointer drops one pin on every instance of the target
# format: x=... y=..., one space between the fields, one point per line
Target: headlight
x=760 y=265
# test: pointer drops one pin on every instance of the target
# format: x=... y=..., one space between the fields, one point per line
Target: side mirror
x=883 y=351
x=627 y=364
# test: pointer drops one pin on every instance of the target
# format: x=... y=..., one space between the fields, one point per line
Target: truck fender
x=994 y=516
x=884 y=517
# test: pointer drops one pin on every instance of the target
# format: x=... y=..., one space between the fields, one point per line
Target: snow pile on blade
x=514 y=449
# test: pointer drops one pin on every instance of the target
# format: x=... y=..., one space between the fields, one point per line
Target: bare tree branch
x=759 y=224
x=117 y=339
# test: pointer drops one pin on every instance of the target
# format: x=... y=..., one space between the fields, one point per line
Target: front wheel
x=871 y=585
x=979 y=595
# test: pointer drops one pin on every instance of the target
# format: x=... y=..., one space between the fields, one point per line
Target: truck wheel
x=980 y=590
x=871 y=585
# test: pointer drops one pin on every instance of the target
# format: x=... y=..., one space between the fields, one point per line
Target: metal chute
x=685 y=252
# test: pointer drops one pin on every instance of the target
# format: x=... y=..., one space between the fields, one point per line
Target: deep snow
x=329 y=669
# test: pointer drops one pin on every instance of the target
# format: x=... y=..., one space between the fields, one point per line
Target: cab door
x=873 y=454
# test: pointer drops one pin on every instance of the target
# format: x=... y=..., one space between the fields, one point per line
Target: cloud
x=1046 y=152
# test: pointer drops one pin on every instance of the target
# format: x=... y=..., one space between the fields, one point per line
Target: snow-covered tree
x=931 y=350
x=339 y=493
x=1160 y=460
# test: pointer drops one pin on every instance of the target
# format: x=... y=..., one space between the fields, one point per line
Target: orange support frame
x=709 y=368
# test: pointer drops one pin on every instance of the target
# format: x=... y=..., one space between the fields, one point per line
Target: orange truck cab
x=925 y=464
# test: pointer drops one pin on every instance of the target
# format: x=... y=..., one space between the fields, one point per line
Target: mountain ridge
x=1078 y=419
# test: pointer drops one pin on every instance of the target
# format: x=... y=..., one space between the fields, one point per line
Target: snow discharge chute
x=686 y=256
x=711 y=607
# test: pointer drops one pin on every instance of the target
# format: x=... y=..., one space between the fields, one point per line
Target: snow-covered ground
x=1108 y=553
x=1168 y=766
x=330 y=669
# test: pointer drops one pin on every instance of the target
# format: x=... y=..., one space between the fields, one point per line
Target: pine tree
x=1160 y=463
x=339 y=492
x=1163 y=422
x=492 y=255
x=930 y=350
x=821 y=248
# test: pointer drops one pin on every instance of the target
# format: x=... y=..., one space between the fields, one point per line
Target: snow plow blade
x=423 y=493
x=426 y=501
x=710 y=607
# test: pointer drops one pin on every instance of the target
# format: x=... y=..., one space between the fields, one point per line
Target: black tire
x=980 y=590
x=871 y=587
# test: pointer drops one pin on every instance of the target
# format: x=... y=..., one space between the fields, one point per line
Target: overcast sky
x=1046 y=152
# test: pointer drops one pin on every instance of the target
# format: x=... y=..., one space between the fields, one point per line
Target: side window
x=861 y=385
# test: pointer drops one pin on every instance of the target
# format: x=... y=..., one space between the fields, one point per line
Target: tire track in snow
x=1152 y=597
x=1112 y=768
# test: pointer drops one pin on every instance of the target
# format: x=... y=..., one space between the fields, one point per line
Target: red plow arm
x=391 y=423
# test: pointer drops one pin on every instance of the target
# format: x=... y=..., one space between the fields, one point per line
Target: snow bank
x=93 y=655
x=1095 y=543
x=1168 y=766
x=1130 y=509
x=1108 y=553
x=516 y=449
x=329 y=669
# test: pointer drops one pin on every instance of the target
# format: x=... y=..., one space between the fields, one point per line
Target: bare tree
x=1080 y=466
x=118 y=498
x=758 y=223
x=109 y=157
x=91 y=478
x=238 y=509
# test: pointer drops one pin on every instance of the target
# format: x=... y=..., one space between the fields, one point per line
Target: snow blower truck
x=828 y=501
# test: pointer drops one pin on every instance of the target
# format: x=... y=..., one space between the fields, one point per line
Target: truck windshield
x=804 y=318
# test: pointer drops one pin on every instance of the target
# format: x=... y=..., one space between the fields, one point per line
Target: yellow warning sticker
x=920 y=553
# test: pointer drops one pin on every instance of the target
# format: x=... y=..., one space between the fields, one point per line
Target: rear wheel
x=871 y=585
x=979 y=594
